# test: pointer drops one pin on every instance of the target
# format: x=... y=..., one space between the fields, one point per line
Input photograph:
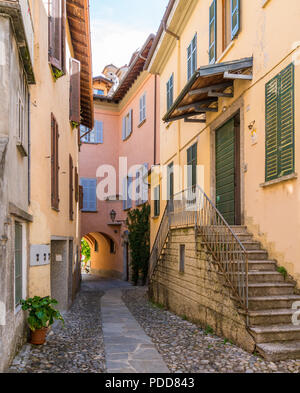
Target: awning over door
x=201 y=94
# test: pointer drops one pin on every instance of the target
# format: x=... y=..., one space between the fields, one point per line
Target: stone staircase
x=271 y=298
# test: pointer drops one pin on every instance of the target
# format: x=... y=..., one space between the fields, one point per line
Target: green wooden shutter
x=286 y=147
x=272 y=125
x=212 y=31
x=280 y=157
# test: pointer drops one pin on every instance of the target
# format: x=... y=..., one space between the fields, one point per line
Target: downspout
x=179 y=122
x=155 y=117
x=29 y=152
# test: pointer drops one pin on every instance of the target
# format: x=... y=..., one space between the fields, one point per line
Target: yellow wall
x=47 y=97
x=269 y=34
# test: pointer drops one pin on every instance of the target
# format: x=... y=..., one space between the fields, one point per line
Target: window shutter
x=80 y=197
x=89 y=194
x=129 y=200
x=235 y=17
x=75 y=91
x=124 y=128
x=98 y=131
x=189 y=61
x=130 y=122
x=144 y=106
x=71 y=189
x=287 y=121
x=212 y=31
x=56 y=33
x=194 y=54
x=280 y=154
x=157 y=201
x=141 y=109
x=54 y=164
x=125 y=193
x=76 y=185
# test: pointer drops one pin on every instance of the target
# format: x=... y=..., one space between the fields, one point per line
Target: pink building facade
x=126 y=134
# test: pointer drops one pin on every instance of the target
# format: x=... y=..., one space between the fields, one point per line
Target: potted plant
x=41 y=316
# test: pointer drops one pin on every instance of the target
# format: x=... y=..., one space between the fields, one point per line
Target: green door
x=225 y=171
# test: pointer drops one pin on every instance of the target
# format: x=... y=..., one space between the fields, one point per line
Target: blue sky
x=119 y=27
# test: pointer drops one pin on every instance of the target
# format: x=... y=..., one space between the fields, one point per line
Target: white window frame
x=143 y=108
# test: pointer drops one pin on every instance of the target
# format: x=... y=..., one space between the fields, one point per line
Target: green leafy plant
x=138 y=223
x=56 y=73
x=209 y=330
x=41 y=312
x=282 y=270
x=85 y=250
x=74 y=124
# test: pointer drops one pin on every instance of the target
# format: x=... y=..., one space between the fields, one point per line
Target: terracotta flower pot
x=38 y=337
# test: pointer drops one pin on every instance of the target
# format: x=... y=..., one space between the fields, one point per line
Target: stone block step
x=270 y=289
x=272 y=302
x=265 y=276
x=277 y=351
x=271 y=317
x=275 y=333
x=257 y=255
x=252 y=245
x=262 y=265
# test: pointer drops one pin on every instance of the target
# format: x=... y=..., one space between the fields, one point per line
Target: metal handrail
x=192 y=207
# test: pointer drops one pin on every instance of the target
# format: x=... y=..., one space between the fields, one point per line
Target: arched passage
x=106 y=255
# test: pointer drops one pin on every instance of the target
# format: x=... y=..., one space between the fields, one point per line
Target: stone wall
x=200 y=293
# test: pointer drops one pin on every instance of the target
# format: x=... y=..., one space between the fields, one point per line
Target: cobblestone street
x=175 y=343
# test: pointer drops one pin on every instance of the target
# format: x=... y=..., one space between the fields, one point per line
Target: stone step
x=275 y=333
x=252 y=245
x=259 y=255
x=272 y=302
x=243 y=237
x=263 y=265
x=270 y=289
x=264 y=277
x=276 y=351
x=271 y=317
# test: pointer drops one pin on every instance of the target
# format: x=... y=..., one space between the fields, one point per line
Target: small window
x=127 y=125
x=143 y=108
x=212 y=32
x=157 y=201
x=95 y=136
x=192 y=166
x=96 y=246
x=112 y=246
x=89 y=194
x=127 y=190
x=192 y=57
x=181 y=258
x=170 y=92
x=99 y=92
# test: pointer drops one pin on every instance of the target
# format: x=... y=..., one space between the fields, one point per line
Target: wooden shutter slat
x=76 y=180
x=54 y=164
x=80 y=197
x=71 y=207
x=235 y=17
x=75 y=90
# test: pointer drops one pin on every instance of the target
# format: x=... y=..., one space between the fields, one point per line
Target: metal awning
x=201 y=94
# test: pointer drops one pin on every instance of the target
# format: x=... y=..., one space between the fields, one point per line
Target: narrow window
x=170 y=92
x=212 y=32
x=226 y=23
x=127 y=125
x=18 y=262
x=157 y=201
x=235 y=17
x=96 y=248
x=192 y=57
x=181 y=258
x=192 y=166
x=112 y=246
x=143 y=108
x=57 y=33
x=280 y=125
x=54 y=164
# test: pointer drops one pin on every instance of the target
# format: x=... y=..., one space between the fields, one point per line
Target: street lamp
x=113 y=215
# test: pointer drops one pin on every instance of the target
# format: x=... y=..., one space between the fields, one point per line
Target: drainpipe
x=29 y=152
x=178 y=92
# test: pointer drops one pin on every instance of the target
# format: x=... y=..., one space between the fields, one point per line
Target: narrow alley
x=113 y=328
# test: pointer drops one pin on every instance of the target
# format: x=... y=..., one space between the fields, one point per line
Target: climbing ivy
x=85 y=250
x=138 y=222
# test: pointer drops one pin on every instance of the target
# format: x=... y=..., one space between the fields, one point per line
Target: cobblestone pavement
x=188 y=348
x=76 y=348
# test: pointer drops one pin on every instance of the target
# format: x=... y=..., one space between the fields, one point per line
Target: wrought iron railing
x=193 y=208
x=160 y=240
